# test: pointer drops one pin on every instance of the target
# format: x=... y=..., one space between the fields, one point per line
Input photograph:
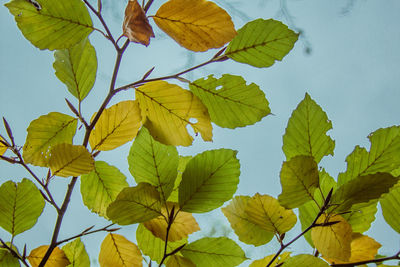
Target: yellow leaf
x=264 y=261
x=168 y=109
x=117 y=251
x=333 y=241
x=136 y=25
x=179 y=261
x=184 y=224
x=197 y=25
x=69 y=160
x=266 y=212
x=3 y=148
x=362 y=248
x=116 y=126
x=57 y=257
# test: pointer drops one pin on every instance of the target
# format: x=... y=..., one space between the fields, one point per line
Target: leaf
x=45 y=132
x=101 y=187
x=261 y=42
x=7 y=259
x=153 y=246
x=306 y=132
x=362 y=190
x=265 y=261
x=363 y=248
x=76 y=67
x=76 y=254
x=266 y=212
x=136 y=26
x=305 y=260
x=197 y=25
x=135 y=204
x=117 y=251
x=210 y=179
x=57 y=257
x=390 y=205
x=183 y=225
x=247 y=231
x=384 y=155
x=3 y=148
x=179 y=261
x=153 y=163
x=20 y=206
x=70 y=160
x=230 y=102
x=116 y=126
x=57 y=25
x=333 y=241
x=167 y=109
x=183 y=160
x=214 y=252
x=361 y=217
x=299 y=179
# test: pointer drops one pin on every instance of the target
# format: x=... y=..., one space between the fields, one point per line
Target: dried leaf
x=136 y=26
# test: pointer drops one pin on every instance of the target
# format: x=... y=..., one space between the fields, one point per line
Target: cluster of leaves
x=169 y=188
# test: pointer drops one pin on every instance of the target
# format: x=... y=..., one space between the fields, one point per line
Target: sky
x=352 y=73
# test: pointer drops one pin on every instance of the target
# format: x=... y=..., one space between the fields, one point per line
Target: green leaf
x=361 y=217
x=299 y=179
x=305 y=260
x=57 y=25
x=135 y=204
x=210 y=179
x=76 y=67
x=153 y=163
x=266 y=212
x=267 y=260
x=362 y=190
x=153 y=246
x=261 y=42
x=7 y=259
x=214 y=252
x=390 y=205
x=306 y=132
x=45 y=132
x=101 y=187
x=20 y=206
x=183 y=160
x=76 y=254
x=247 y=231
x=230 y=102
x=384 y=155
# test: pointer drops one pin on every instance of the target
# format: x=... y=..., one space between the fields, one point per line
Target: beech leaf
x=76 y=254
x=390 y=205
x=57 y=257
x=3 y=148
x=117 y=251
x=136 y=26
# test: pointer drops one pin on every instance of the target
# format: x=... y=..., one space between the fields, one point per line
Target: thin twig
x=13 y=252
x=84 y=233
x=350 y=264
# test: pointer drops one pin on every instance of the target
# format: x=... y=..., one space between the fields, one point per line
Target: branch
x=87 y=232
x=13 y=252
x=394 y=257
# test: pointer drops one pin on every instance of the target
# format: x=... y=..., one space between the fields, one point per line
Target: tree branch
x=13 y=252
x=350 y=264
x=87 y=232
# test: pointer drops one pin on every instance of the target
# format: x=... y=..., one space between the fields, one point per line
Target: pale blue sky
x=353 y=73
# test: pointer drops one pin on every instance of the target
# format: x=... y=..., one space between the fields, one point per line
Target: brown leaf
x=136 y=25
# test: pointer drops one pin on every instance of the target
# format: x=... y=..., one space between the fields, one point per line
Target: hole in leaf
x=219 y=87
x=193 y=120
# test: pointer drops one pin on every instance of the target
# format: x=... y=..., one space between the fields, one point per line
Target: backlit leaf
x=153 y=163
x=230 y=102
x=3 y=148
x=333 y=241
x=362 y=190
x=57 y=25
x=20 y=206
x=183 y=160
x=45 y=132
x=136 y=26
x=197 y=25
x=184 y=224
x=76 y=67
x=266 y=212
x=117 y=251
x=116 y=126
x=70 y=160
x=153 y=246
x=306 y=132
x=390 y=205
x=265 y=261
x=261 y=42
x=76 y=254
x=167 y=110
x=361 y=217
x=210 y=179
x=135 y=204
x=179 y=261
x=101 y=187
x=247 y=231
x=214 y=252
x=384 y=155
x=7 y=259
x=305 y=260
x=299 y=179
x=57 y=257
